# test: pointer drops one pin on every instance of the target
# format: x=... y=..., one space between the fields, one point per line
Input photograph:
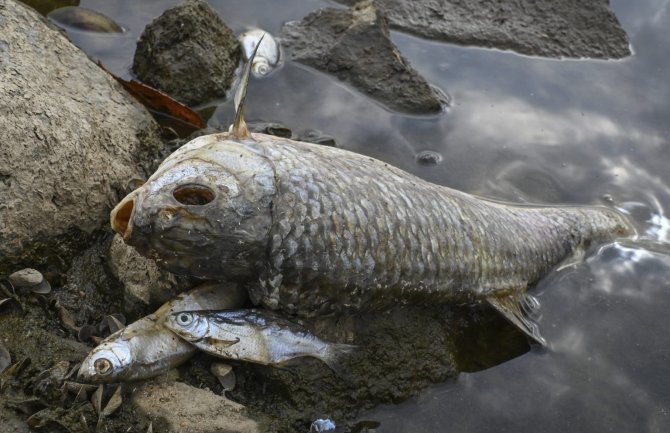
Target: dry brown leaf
x=166 y=110
x=114 y=402
x=96 y=399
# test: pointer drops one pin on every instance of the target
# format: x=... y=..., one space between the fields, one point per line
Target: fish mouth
x=121 y=216
x=85 y=371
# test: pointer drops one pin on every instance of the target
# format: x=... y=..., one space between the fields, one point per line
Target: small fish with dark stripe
x=258 y=336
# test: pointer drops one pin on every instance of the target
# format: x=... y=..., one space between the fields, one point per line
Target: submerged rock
x=189 y=53
x=354 y=45
x=566 y=28
x=71 y=138
x=75 y=17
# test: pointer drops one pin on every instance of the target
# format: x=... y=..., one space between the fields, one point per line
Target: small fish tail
x=335 y=354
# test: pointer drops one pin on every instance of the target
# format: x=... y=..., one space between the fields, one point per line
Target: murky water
x=519 y=129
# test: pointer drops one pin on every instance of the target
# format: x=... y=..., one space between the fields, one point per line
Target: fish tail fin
x=607 y=223
x=239 y=128
x=520 y=309
x=334 y=356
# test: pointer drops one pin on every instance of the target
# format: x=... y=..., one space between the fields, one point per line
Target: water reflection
x=587 y=382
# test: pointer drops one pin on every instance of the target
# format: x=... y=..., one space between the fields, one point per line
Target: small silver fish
x=268 y=53
x=258 y=336
x=145 y=348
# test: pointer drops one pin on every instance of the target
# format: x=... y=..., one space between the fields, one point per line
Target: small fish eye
x=102 y=366
x=193 y=195
x=184 y=319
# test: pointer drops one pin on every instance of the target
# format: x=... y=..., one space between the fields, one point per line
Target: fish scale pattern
x=352 y=231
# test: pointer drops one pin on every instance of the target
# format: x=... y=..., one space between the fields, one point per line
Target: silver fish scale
x=352 y=231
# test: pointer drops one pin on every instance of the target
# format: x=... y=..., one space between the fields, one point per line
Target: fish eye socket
x=193 y=195
x=184 y=319
x=102 y=366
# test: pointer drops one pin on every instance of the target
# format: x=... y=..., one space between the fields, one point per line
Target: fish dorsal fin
x=239 y=128
x=516 y=308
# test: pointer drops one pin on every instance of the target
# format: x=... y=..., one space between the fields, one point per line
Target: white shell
x=268 y=54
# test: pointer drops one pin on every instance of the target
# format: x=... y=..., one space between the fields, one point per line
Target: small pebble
x=225 y=374
x=30 y=280
x=271 y=128
x=317 y=137
x=428 y=157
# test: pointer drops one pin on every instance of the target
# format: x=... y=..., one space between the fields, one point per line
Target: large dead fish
x=312 y=229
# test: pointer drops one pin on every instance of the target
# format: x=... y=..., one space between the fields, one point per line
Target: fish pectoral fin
x=215 y=342
x=515 y=308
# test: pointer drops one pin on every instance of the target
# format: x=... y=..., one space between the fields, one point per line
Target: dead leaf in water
x=166 y=110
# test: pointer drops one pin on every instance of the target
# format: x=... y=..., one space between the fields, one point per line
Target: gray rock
x=29 y=280
x=565 y=28
x=354 y=45
x=177 y=407
x=144 y=283
x=70 y=137
x=26 y=278
x=189 y=53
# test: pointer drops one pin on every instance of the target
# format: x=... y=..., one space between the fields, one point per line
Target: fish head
x=189 y=325
x=108 y=362
x=206 y=212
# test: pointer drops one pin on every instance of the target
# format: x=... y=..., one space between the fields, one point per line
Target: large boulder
x=178 y=407
x=189 y=53
x=551 y=28
x=70 y=140
x=354 y=45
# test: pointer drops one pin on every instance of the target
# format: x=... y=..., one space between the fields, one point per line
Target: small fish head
x=189 y=325
x=205 y=212
x=108 y=362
